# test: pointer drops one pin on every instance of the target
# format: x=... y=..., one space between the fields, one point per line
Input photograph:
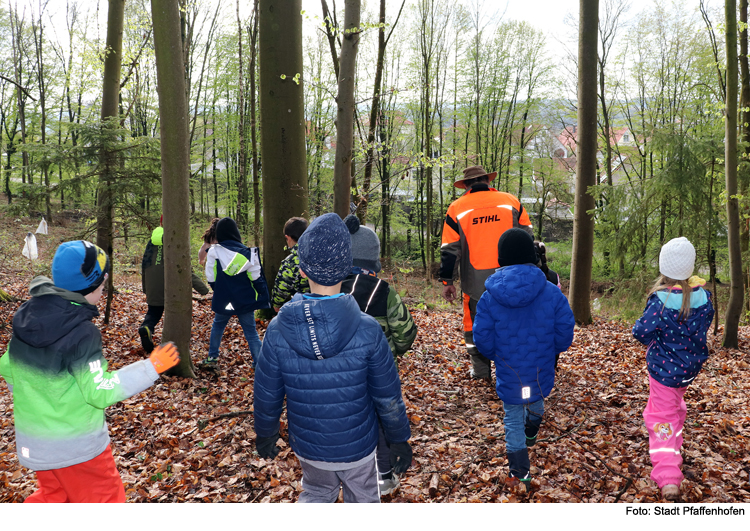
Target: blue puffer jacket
x=676 y=348
x=333 y=364
x=522 y=322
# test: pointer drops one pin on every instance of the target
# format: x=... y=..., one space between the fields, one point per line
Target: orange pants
x=95 y=481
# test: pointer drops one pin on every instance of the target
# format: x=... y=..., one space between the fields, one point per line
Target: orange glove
x=164 y=357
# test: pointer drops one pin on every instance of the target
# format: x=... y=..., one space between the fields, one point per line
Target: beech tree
x=342 y=169
x=175 y=172
x=734 y=307
x=282 y=124
x=583 y=226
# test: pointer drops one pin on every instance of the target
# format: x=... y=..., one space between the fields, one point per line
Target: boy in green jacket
x=152 y=282
x=58 y=376
x=288 y=280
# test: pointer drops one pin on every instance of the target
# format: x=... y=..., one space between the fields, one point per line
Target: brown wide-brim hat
x=472 y=172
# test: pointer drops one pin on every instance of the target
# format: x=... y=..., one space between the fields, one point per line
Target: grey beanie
x=677 y=259
x=325 y=250
x=365 y=245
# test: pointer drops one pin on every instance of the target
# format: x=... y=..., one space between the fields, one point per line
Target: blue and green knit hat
x=79 y=266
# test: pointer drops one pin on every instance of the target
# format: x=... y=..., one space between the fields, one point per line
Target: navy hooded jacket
x=522 y=322
x=333 y=364
x=677 y=347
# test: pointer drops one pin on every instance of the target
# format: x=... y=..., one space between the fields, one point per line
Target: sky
x=547 y=15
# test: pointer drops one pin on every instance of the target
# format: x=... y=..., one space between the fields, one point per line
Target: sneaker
x=387 y=483
x=670 y=492
x=210 y=363
x=148 y=344
x=485 y=379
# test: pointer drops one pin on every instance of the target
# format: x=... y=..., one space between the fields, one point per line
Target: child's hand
x=164 y=357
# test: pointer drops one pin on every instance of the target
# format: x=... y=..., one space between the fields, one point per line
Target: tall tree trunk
x=375 y=109
x=734 y=306
x=744 y=176
x=282 y=126
x=110 y=112
x=175 y=173
x=342 y=167
x=254 y=123
x=374 y=113
x=583 y=226
x=242 y=130
x=38 y=31
x=16 y=26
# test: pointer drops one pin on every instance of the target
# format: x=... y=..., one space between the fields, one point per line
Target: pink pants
x=664 y=416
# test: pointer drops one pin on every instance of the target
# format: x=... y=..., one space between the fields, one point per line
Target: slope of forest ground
x=193 y=440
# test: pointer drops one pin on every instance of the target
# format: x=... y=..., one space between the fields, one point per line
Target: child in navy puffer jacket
x=333 y=365
x=522 y=322
x=677 y=317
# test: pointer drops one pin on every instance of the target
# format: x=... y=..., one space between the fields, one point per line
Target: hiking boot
x=530 y=441
x=387 y=483
x=670 y=492
x=148 y=344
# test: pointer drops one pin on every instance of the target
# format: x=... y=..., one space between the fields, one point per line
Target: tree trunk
x=254 y=123
x=175 y=172
x=583 y=226
x=734 y=306
x=16 y=26
x=282 y=126
x=374 y=113
x=342 y=168
x=110 y=112
x=38 y=31
x=744 y=176
x=242 y=129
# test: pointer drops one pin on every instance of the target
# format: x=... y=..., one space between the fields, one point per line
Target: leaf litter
x=192 y=440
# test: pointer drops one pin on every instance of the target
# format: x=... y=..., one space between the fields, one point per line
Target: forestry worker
x=471 y=231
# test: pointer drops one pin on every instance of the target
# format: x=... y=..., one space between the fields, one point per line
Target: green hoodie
x=58 y=376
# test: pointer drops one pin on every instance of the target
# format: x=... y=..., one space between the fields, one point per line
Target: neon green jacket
x=58 y=376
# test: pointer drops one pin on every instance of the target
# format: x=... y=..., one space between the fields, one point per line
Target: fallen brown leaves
x=176 y=443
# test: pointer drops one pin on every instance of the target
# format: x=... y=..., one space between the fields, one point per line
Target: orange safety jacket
x=473 y=226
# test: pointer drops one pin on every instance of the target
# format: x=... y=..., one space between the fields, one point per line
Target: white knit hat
x=677 y=259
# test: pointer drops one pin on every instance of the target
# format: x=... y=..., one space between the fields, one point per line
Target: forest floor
x=192 y=440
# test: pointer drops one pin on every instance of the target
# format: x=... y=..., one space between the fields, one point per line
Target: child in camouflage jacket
x=378 y=299
x=288 y=280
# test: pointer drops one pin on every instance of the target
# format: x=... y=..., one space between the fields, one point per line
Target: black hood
x=50 y=314
x=226 y=229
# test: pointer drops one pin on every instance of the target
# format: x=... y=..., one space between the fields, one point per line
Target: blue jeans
x=247 y=322
x=517 y=418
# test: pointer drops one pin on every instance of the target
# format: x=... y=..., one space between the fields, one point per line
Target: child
x=152 y=282
x=677 y=317
x=55 y=369
x=288 y=280
x=522 y=322
x=541 y=254
x=333 y=365
x=236 y=276
x=375 y=297
x=209 y=239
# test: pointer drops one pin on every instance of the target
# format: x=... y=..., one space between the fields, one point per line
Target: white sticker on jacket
x=526 y=392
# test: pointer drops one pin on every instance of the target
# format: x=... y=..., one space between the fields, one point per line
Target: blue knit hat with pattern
x=325 y=250
x=79 y=266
